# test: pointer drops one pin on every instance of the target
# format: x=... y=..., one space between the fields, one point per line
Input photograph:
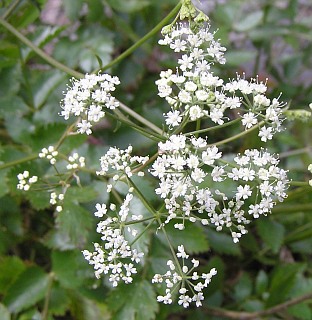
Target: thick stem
x=40 y=52
x=156 y=29
x=237 y=136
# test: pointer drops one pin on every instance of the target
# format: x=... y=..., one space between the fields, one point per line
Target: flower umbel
x=185 y=163
x=87 y=98
x=183 y=280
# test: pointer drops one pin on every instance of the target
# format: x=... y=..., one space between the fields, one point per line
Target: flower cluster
x=87 y=97
x=25 y=181
x=119 y=163
x=115 y=258
x=194 y=92
x=50 y=153
x=185 y=168
x=75 y=162
x=180 y=280
x=57 y=199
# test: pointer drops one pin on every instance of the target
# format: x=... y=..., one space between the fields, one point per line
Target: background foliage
x=42 y=272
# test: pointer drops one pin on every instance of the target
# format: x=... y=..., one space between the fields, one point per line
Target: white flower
x=84 y=127
x=202 y=95
x=266 y=133
x=243 y=192
x=173 y=118
x=184 y=96
x=249 y=119
x=101 y=210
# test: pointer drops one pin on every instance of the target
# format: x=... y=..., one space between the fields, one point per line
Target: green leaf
x=38 y=199
x=4 y=313
x=80 y=195
x=243 y=288
x=12 y=106
x=271 y=233
x=301 y=311
x=29 y=288
x=222 y=243
x=217 y=282
x=235 y=58
x=249 y=22
x=59 y=300
x=192 y=237
x=74 y=221
x=10 y=268
x=283 y=280
x=48 y=82
x=56 y=239
x=46 y=135
x=73 y=9
x=129 y=5
x=136 y=301
x=262 y=282
x=3 y=183
x=86 y=309
x=68 y=267
x=9 y=54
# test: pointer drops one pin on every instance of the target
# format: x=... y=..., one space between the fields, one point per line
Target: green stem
x=237 y=136
x=140 y=118
x=213 y=128
x=40 y=52
x=142 y=198
x=298 y=183
x=141 y=233
x=11 y=8
x=150 y=160
x=156 y=29
x=291 y=208
x=171 y=248
x=19 y=161
x=131 y=222
x=123 y=119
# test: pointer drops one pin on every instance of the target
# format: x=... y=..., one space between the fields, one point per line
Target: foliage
x=43 y=274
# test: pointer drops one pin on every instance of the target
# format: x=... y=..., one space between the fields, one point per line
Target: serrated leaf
x=283 y=280
x=39 y=200
x=29 y=288
x=222 y=243
x=46 y=135
x=271 y=233
x=4 y=313
x=74 y=221
x=10 y=268
x=80 y=194
x=47 y=85
x=192 y=237
x=19 y=129
x=67 y=266
x=12 y=106
x=136 y=301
